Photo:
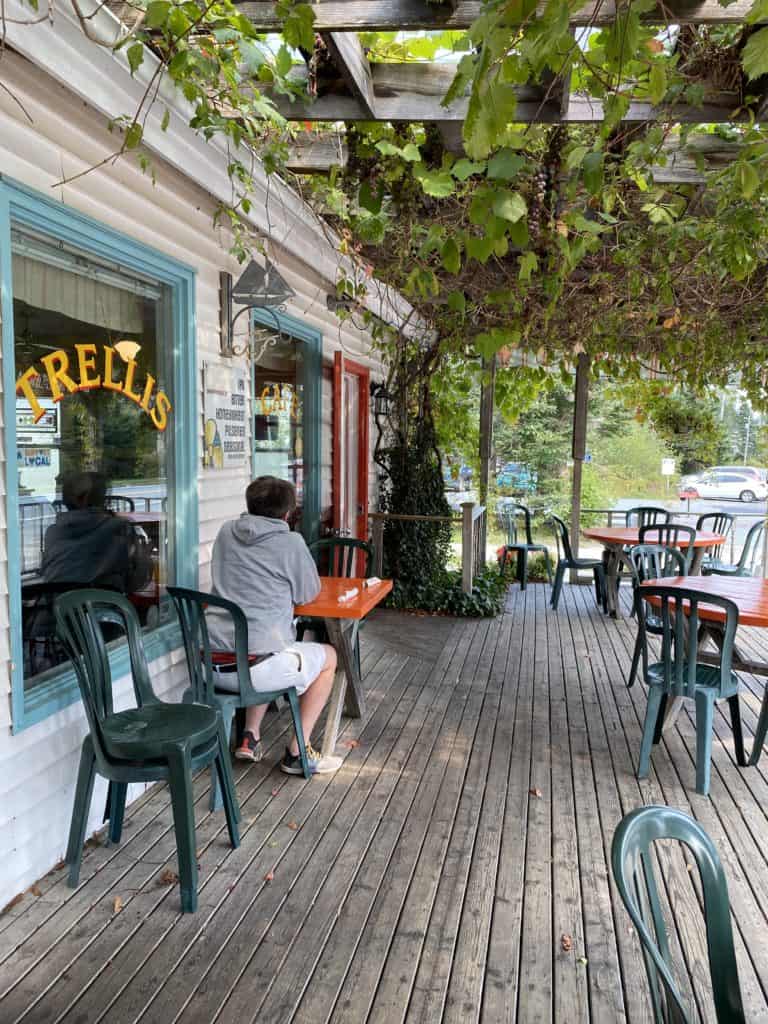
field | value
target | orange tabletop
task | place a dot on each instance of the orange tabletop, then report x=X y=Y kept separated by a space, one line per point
x=626 y=536
x=750 y=595
x=327 y=605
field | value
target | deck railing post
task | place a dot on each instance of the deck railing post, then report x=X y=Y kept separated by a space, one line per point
x=377 y=539
x=765 y=550
x=467 y=569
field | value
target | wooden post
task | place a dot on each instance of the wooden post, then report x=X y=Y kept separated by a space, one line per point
x=487 y=387
x=467 y=570
x=377 y=539
x=578 y=449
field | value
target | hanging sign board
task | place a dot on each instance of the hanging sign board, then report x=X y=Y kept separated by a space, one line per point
x=667 y=467
x=225 y=398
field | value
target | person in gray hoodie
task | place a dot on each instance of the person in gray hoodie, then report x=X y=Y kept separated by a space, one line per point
x=265 y=568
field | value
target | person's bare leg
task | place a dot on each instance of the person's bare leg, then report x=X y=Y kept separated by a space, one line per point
x=254 y=716
x=314 y=698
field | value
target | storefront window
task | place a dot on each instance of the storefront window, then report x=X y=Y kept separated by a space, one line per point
x=94 y=404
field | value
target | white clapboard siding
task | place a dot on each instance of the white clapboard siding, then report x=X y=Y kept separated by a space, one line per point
x=38 y=766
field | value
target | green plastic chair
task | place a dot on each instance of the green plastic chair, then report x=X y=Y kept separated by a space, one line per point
x=522 y=548
x=150 y=742
x=714 y=522
x=651 y=562
x=678 y=675
x=749 y=559
x=647 y=515
x=671 y=535
x=632 y=863
x=338 y=556
x=569 y=561
x=190 y=607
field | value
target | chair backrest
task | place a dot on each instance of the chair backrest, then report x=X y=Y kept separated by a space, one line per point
x=562 y=537
x=190 y=607
x=338 y=556
x=751 y=553
x=58 y=505
x=512 y=517
x=671 y=535
x=678 y=610
x=715 y=522
x=654 y=561
x=632 y=863
x=79 y=615
x=645 y=515
x=119 y=503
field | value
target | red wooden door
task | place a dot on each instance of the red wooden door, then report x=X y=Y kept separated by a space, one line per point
x=351 y=397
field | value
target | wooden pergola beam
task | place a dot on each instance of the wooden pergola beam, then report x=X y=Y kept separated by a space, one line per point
x=397 y=15
x=311 y=153
x=349 y=57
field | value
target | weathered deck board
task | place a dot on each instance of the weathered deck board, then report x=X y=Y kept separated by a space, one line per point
x=434 y=877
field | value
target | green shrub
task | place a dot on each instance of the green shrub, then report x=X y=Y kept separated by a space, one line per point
x=442 y=594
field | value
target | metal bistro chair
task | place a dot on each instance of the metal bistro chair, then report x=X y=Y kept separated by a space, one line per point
x=749 y=559
x=190 y=607
x=671 y=535
x=651 y=562
x=521 y=547
x=632 y=863
x=714 y=522
x=119 y=503
x=568 y=561
x=340 y=556
x=152 y=741
x=678 y=674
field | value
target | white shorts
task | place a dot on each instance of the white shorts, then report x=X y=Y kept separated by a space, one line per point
x=298 y=665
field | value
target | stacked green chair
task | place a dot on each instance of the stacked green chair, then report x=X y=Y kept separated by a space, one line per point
x=632 y=863
x=671 y=535
x=714 y=522
x=679 y=675
x=153 y=741
x=640 y=516
x=651 y=562
x=190 y=607
x=569 y=561
x=749 y=559
x=521 y=548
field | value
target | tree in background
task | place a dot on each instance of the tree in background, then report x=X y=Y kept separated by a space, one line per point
x=689 y=424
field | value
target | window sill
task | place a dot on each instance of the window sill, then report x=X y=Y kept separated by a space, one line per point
x=61 y=689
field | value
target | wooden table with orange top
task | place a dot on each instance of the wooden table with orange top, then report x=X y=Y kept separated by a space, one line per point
x=339 y=617
x=616 y=539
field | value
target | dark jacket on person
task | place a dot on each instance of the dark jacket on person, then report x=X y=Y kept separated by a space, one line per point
x=94 y=546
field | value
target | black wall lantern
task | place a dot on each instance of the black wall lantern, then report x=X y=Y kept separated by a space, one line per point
x=257 y=288
x=382 y=399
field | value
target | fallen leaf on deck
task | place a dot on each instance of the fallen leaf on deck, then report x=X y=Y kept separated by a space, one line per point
x=168 y=877
x=35 y=890
x=13 y=902
x=117 y=904
x=566 y=943
x=351 y=744
x=293 y=825
x=269 y=876
x=275 y=792
x=273 y=843
x=536 y=792
x=582 y=960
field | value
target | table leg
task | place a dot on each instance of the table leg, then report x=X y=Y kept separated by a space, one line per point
x=612 y=579
x=347 y=692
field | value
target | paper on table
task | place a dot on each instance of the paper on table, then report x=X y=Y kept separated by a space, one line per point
x=371 y=581
x=348 y=595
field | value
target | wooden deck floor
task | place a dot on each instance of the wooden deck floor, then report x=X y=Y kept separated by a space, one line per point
x=455 y=868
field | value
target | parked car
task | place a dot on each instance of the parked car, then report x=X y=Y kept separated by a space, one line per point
x=516 y=476
x=755 y=471
x=726 y=485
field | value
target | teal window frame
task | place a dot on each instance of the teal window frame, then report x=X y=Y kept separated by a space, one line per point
x=313 y=369
x=25 y=207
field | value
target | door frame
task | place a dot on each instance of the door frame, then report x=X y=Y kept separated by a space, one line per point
x=342 y=365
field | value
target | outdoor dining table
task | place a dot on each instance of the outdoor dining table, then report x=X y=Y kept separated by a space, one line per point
x=617 y=539
x=339 y=616
x=750 y=595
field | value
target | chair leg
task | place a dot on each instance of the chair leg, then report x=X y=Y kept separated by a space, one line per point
x=215 y=802
x=738 y=735
x=524 y=568
x=558 y=585
x=83 y=793
x=293 y=701
x=660 y=720
x=118 y=791
x=635 y=661
x=502 y=561
x=180 y=784
x=705 y=709
x=760 y=731
x=649 y=728
x=548 y=565
x=227 y=785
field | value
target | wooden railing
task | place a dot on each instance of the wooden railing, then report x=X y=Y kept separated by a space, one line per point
x=472 y=521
